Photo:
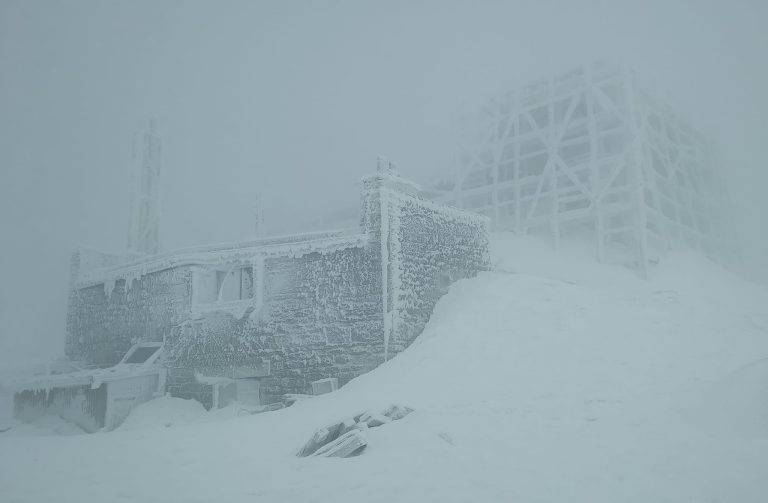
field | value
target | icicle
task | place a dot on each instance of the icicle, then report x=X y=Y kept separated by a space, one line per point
x=109 y=286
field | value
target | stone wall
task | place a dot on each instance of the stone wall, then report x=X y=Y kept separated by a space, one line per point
x=431 y=248
x=321 y=317
x=102 y=324
x=318 y=310
x=427 y=247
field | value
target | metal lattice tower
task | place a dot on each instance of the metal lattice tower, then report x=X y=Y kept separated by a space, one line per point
x=588 y=149
x=144 y=224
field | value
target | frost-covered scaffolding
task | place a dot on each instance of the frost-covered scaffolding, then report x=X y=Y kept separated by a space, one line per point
x=588 y=148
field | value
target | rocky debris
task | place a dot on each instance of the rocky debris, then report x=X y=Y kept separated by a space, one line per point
x=446 y=438
x=291 y=398
x=348 y=445
x=320 y=438
x=375 y=420
x=242 y=409
x=347 y=437
x=395 y=412
x=348 y=425
x=268 y=407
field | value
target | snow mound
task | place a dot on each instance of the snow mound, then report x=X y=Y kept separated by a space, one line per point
x=551 y=378
x=164 y=411
x=736 y=404
x=43 y=426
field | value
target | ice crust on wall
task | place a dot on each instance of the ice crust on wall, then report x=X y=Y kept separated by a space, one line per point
x=320 y=305
x=429 y=247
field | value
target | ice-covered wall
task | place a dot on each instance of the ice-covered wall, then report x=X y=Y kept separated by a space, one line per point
x=320 y=317
x=88 y=259
x=435 y=249
x=105 y=319
x=425 y=247
x=285 y=311
x=81 y=405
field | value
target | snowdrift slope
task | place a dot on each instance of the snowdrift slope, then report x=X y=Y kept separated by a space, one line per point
x=549 y=379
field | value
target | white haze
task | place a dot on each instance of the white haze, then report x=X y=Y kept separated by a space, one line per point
x=296 y=99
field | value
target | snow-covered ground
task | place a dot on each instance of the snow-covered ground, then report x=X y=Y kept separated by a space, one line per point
x=550 y=379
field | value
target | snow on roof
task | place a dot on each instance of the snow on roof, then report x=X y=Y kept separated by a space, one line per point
x=93 y=378
x=293 y=245
x=148 y=365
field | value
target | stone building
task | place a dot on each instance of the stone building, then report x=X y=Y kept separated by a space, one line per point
x=259 y=319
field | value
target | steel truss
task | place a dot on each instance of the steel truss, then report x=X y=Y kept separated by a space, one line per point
x=587 y=148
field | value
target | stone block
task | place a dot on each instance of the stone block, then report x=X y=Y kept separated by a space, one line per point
x=395 y=412
x=377 y=420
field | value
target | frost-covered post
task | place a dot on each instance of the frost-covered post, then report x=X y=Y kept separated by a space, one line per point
x=383 y=169
x=383 y=194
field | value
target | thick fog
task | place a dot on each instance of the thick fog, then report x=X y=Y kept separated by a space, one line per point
x=294 y=100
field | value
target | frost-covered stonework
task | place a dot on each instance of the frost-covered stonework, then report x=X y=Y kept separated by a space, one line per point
x=320 y=317
x=282 y=311
x=105 y=319
x=426 y=246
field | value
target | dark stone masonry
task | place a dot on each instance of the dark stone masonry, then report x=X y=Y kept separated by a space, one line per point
x=264 y=318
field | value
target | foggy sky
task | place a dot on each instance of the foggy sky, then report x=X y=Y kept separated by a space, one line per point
x=296 y=99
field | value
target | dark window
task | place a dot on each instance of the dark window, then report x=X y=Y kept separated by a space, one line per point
x=141 y=354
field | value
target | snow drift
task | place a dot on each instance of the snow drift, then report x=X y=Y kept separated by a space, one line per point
x=551 y=378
